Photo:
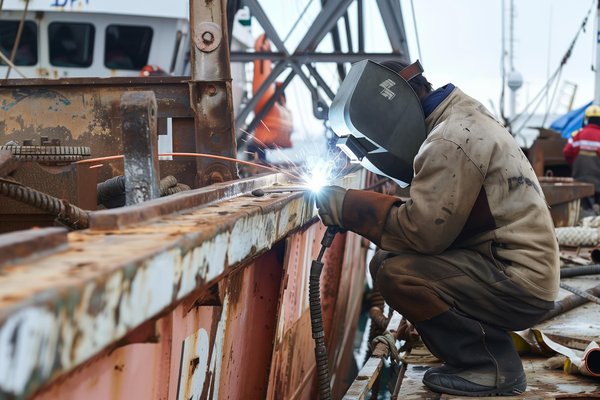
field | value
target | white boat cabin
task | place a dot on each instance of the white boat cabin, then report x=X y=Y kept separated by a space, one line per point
x=78 y=38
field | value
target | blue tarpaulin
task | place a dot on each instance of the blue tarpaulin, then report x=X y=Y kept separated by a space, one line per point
x=569 y=122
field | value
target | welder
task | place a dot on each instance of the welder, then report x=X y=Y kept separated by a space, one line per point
x=472 y=254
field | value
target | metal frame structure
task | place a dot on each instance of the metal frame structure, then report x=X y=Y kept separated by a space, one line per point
x=306 y=55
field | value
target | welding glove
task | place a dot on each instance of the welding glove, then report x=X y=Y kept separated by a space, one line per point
x=329 y=201
x=360 y=211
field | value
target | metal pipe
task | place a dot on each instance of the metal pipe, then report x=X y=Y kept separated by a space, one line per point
x=577 y=271
x=569 y=303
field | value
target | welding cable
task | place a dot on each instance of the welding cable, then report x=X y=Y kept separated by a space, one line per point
x=66 y=213
x=578 y=271
x=316 y=317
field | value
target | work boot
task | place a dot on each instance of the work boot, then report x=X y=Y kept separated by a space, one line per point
x=480 y=360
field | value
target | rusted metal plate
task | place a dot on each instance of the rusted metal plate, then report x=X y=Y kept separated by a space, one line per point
x=7 y=163
x=562 y=195
x=565 y=191
x=127 y=216
x=112 y=281
x=16 y=246
x=85 y=112
x=292 y=366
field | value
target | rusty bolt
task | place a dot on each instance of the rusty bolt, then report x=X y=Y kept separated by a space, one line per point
x=211 y=90
x=208 y=37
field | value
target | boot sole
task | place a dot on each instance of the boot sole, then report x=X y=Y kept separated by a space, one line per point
x=517 y=389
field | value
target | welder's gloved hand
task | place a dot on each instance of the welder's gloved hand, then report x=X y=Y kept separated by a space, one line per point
x=329 y=204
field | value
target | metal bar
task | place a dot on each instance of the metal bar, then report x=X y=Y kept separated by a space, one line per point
x=337 y=44
x=315 y=74
x=320 y=108
x=210 y=91
x=391 y=14
x=16 y=246
x=140 y=147
x=361 y=26
x=311 y=57
x=120 y=218
x=569 y=303
x=369 y=373
x=13 y=53
x=278 y=92
x=275 y=72
x=348 y=32
x=322 y=25
x=260 y=15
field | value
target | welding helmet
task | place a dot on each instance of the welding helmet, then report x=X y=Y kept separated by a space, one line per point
x=379 y=120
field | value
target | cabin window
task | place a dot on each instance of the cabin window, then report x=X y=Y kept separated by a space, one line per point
x=27 y=52
x=127 y=47
x=71 y=44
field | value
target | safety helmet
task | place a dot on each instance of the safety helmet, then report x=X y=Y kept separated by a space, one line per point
x=592 y=111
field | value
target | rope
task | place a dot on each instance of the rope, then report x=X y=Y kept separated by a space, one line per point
x=390 y=341
x=577 y=236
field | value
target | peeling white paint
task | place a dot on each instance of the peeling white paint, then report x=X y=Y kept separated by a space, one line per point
x=151 y=290
x=256 y=231
x=28 y=341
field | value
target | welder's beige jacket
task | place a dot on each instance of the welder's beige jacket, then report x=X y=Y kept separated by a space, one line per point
x=474 y=188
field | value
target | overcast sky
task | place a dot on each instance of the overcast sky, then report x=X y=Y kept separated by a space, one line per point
x=461 y=42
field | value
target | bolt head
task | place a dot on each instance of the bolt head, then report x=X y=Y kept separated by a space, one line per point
x=208 y=37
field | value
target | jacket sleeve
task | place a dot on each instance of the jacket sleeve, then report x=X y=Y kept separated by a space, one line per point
x=570 y=151
x=443 y=192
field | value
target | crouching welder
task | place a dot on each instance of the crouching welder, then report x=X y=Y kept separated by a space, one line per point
x=473 y=253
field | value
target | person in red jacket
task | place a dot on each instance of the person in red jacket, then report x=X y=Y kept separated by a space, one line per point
x=582 y=153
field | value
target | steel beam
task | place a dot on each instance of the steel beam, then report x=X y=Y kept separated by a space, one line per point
x=243 y=114
x=391 y=14
x=309 y=58
x=322 y=25
x=210 y=91
x=140 y=147
x=257 y=12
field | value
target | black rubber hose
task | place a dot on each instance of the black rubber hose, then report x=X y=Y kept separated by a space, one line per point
x=316 y=317
x=577 y=271
x=318 y=334
x=66 y=213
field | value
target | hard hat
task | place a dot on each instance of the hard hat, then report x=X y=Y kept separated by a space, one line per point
x=379 y=120
x=592 y=111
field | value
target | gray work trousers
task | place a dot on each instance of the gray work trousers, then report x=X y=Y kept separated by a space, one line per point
x=421 y=286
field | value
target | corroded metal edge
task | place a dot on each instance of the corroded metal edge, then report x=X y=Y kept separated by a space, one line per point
x=157 y=266
x=142 y=213
x=21 y=244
